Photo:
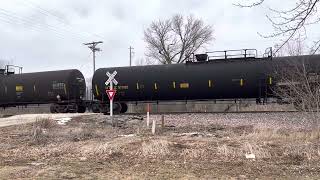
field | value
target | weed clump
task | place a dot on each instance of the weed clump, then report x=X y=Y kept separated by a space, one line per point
x=83 y=133
x=40 y=130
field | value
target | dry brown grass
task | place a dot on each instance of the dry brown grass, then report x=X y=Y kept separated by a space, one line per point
x=155 y=148
x=195 y=153
x=284 y=135
x=82 y=134
x=264 y=143
x=274 y=143
x=40 y=130
x=45 y=123
x=100 y=149
x=82 y=146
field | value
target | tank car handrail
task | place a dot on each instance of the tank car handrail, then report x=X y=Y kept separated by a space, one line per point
x=233 y=55
x=231 y=50
x=242 y=53
x=8 y=72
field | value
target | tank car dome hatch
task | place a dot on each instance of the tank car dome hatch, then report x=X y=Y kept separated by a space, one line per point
x=201 y=57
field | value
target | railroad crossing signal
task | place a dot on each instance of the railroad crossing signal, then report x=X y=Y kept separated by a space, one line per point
x=111 y=94
x=111 y=78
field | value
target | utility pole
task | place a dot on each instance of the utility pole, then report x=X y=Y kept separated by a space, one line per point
x=130 y=54
x=93 y=48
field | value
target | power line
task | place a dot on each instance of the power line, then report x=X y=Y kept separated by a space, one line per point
x=61 y=20
x=31 y=22
x=10 y=19
x=46 y=12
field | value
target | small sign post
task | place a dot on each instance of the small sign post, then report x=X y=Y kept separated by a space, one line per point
x=111 y=92
x=148 y=114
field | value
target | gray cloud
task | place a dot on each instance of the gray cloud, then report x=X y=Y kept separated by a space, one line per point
x=49 y=41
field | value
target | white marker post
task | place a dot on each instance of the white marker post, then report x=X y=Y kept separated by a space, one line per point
x=111 y=92
x=154 y=125
x=148 y=114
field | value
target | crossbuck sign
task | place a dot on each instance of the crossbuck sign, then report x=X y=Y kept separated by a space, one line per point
x=111 y=79
x=111 y=92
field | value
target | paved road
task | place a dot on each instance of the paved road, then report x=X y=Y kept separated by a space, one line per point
x=29 y=118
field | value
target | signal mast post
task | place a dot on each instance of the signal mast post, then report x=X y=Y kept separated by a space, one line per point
x=111 y=100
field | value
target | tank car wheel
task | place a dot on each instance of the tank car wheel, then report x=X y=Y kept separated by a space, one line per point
x=95 y=108
x=73 y=108
x=81 y=109
x=61 y=109
x=117 y=108
x=124 y=108
x=104 y=108
x=53 y=109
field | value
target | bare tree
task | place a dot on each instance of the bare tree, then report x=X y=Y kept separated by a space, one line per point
x=174 y=40
x=299 y=83
x=144 y=61
x=290 y=22
x=2 y=64
x=298 y=80
x=294 y=47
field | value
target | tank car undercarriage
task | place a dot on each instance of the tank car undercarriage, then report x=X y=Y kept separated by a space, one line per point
x=102 y=107
x=67 y=108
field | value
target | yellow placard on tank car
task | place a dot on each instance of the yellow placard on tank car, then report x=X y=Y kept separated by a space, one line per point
x=19 y=88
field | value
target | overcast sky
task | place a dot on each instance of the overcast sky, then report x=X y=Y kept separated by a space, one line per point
x=45 y=35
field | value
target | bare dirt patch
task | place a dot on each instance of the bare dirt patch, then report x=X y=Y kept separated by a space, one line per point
x=188 y=147
x=9 y=120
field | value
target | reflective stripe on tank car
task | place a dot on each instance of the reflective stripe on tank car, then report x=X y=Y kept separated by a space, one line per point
x=19 y=88
x=65 y=88
x=184 y=85
x=97 y=92
x=270 y=80
x=241 y=82
x=210 y=83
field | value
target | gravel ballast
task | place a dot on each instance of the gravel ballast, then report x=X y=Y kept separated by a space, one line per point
x=286 y=120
